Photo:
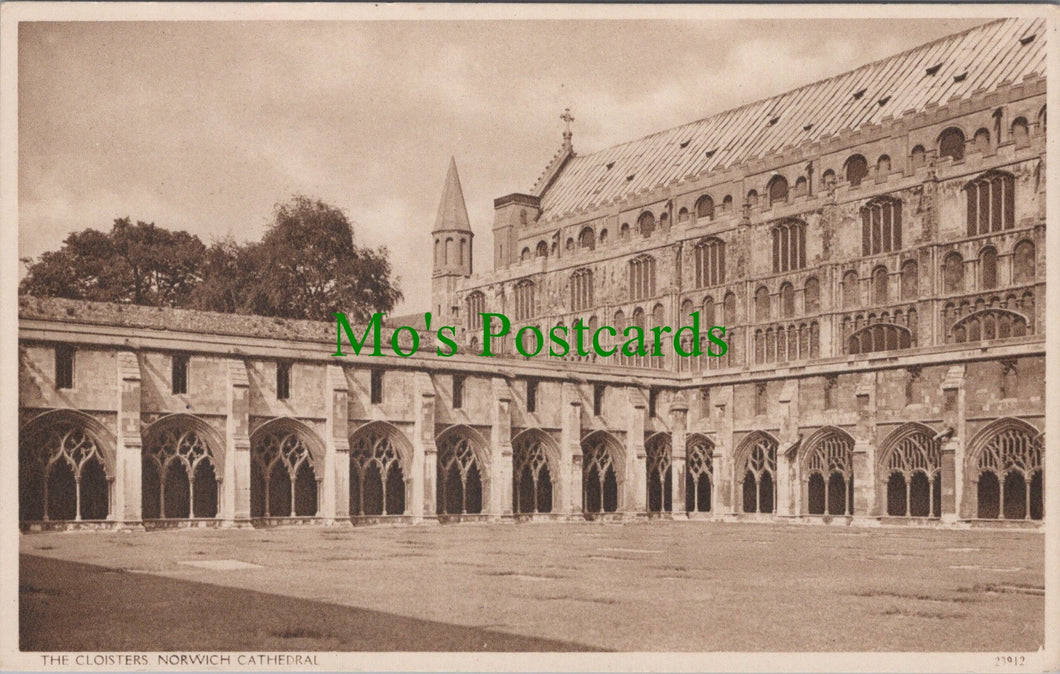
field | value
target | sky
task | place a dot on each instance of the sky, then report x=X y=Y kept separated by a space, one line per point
x=206 y=126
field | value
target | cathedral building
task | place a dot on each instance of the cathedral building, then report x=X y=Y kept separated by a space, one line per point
x=873 y=245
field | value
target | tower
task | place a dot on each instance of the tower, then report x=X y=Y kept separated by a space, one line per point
x=452 y=248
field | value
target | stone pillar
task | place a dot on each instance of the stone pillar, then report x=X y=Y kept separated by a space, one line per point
x=787 y=487
x=424 y=451
x=678 y=436
x=954 y=445
x=866 y=489
x=721 y=459
x=336 y=500
x=235 y=506
x=127 y=481
x=570 y=450
x=500 y=451
x=635 y=494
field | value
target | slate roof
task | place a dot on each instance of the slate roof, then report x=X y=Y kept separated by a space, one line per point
x=952 y=67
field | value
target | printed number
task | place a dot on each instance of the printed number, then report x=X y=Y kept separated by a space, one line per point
x=1011 y=660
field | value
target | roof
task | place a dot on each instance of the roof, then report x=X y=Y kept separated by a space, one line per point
x=452 y=213
x=935 y=73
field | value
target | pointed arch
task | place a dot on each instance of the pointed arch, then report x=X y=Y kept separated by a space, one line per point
x=183 y=466
x=603 y=474
x=827 y=466
x=699 y=473
x=658 y=449
x=535 y=472
x=380 y=470
x=755 y=465
x=1004 y=471
x=909 y=472
x=287 y=466
x=463 y=473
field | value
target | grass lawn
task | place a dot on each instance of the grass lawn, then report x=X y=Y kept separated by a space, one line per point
x=682 y=586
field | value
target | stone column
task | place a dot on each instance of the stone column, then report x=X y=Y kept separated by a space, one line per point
x=127 y=482
x=678 y=436
x=721 y=459
x=500 y=451
x=635 y=494
x=787 y=487
x=235 y=507
x=570 y=450
x=336 y=501
x=424 y=451
x=866 y=489
x=954 y=445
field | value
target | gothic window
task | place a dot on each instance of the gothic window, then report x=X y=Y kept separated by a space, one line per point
x=642 y=277
x=989 y=324
x=476 y=304
x=646 y=223
x=729 y=309
x=787 y=300
x=1023 y=263
x=64 y=366
x=699 y=474
x=991 y=203
x=759 y=476
x=883 y=165
x=531 y=478
x=762 y=312
x=789 y=245
x=179 y=371
x=951 y=144
x=599 y=478
x=581 y=289
x=1020 y=134
x=658 y=315
x=811 y=296
x=705 y=208
x=988 y=268
x=830 y=476
x=953 y=273
x=1010 y=475
x=525 y=255
x=587 y=239
x=707 y=317
x=659 y=474
x=179 y=477
x=778 y=190
x=912 y=466
x=62 y=474
x=459 y=476
x=879 y=285
x=525 y=307
x=283 y=480
x=910 y=282
x=982 y=140
x=856 y=168
x=881 y=226
x=918 y=156
x=879 y=337
x=377 y=480
x=710 y=262
x=850 y=290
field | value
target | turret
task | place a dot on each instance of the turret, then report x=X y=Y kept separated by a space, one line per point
x=452 y=248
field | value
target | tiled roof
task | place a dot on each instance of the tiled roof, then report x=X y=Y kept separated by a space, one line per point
x=935 y=73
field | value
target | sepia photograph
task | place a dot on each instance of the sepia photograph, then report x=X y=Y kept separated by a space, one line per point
x=526 y=337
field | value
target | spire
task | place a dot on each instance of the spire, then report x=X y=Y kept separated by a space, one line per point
x=452 y=213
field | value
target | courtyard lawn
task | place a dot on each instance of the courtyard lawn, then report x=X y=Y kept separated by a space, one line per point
x=685 y=586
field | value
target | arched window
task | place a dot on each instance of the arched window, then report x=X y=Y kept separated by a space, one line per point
x=531 y=478
x=642 y=277
x=1010 y=472
x=828 y=179
x=1020 y=132
x=812 y=296
x=699 y=474
x=951 y=144
x=762 y=312
x=883 y=165
x=683 y=215
x=856 y=168
x=646 y=223
x=918 y=156
x=988 y=324
x=705 y=208
x=450 y=252
x=758 y=475
x=707 y=317
x=570 y=243
x=581 y=289
x=879 y=337
x=1041 y=119
x=179 y=474
x=982 y=140
x=787 y=300
x=910 y=281
x=726 y=203
x=829 y=468
x=623 y=232
x=659 y=475
x=800 y=186
x=988 y=268
x=542 y=249
x=850 y=290
x=377 y=479
x=729 y=308
x=1023 y=263
x=879 y=285
x=476 y=304
x=710 y=262
x=525 y=255
x=911 y=469
x=599 y=475
x=525 y=306
x=752 y=198
x=991 y=203
x=603 y=236
x=62 y=472
x=953 y=273
x=459 y=478
x=778 y=190
x=789 y=245
x=881 y=226
x=587 y=238
x=283 y=477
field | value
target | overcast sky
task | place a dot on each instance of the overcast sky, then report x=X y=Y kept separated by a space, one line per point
x=206 y=126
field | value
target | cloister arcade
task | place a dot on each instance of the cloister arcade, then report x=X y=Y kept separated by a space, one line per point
x=67 y=461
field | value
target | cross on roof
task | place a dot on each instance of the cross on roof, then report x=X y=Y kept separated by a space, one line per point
x=566 y=117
